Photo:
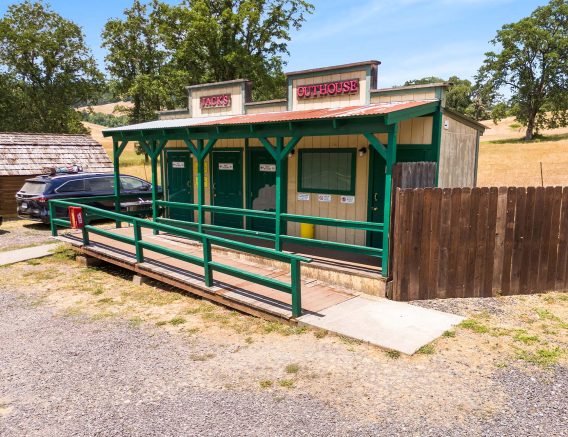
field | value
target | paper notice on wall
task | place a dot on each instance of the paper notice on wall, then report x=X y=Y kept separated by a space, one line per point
x=268 y=168
x=178 y=164
x=303 y=196
x=225 y=166
x=348 y=199
x=324 y=197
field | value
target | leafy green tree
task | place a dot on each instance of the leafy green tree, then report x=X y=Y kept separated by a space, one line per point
x=136 y=60
x=218 y=40
x=533 y=64
x=459 y=95
x=47 y=70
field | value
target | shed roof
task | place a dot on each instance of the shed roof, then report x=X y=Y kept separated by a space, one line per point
x=29 y=153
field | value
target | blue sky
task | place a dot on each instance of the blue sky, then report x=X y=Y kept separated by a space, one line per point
x=412 y=38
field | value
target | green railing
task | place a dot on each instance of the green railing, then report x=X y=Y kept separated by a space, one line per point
x=209 y=266
x=347 y=224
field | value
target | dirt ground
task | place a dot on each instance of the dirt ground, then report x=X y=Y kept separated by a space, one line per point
x=16 y=234
x=473 y=380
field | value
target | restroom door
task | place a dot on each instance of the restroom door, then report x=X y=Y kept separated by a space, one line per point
x=376 y=196
x=180 y=183
x=262 y=188
x=227 y=186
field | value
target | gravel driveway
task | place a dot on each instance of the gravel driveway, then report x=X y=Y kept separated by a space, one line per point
x=15 y=234
x=65 y=374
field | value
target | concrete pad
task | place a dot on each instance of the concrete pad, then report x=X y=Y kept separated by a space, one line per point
x=385 y=323
x=19 y=255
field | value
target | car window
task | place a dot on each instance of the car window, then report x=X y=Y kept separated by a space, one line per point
x=103 y=184
x=129 y=183
x=33 y=187
x=72 y=186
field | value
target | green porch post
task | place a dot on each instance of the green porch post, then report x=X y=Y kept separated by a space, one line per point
x=278 y=224
x=201 y=151
x=437 y=139
x=390 y=161
x=116 y=152
x=280 y=154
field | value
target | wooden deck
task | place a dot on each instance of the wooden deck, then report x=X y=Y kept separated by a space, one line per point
x=228 y=290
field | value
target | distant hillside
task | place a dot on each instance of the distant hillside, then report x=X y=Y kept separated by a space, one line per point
x=107 y=108
x=509 y=129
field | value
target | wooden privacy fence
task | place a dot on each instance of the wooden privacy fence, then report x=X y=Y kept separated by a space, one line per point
x=479 y=242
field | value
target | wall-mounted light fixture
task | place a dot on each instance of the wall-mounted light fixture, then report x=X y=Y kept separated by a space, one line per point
x=362 y=151
x=291 y=154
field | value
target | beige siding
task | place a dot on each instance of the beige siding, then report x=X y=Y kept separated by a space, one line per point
x=403 y=96
x=236 y=107
x=457 y=154
x=262 y=109
x=333 y=101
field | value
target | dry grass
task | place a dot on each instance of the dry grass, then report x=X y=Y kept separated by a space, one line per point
x=504 y=160
x=130 y=162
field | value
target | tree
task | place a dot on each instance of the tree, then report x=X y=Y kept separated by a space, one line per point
x=47 y=70
x=533 y=64
x=136 y=61
x=218 y=40
x=459 y=95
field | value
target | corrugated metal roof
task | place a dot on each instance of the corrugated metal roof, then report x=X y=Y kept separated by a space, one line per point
x=274 y=117
x=316 y=114
x=27 y=154
x=164 y=124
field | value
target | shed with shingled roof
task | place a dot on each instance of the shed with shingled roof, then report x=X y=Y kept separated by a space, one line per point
x=24 y=155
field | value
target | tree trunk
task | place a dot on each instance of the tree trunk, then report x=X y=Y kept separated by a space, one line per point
x=530 y=128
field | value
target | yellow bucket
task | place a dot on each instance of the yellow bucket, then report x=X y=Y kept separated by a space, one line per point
x=307 y=230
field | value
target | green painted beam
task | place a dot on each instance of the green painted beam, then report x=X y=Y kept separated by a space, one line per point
x=437 y=139
x=376 y=144
x=416 y=111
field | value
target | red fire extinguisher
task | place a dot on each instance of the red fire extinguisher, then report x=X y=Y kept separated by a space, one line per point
x=76 y=217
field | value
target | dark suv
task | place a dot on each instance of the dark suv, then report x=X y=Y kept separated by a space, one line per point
x=33 y=197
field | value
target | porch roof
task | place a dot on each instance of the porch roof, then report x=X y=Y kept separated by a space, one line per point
x=400 y=110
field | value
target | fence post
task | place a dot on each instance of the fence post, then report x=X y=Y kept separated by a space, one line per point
x=84 y=229
x=137 y=239
x=52 y=219
x=208 y=274
x=296 y=285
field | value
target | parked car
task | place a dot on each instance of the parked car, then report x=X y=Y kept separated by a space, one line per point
x=32 y=199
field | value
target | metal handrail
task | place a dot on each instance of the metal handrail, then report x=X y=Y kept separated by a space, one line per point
x=209 y=266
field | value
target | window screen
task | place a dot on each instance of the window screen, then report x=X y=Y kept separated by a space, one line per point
x=328 y=171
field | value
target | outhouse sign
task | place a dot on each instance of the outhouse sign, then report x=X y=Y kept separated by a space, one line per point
x=337 y=88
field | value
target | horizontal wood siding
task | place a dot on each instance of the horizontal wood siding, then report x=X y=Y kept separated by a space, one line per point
x=458 y=152
x=9 y=186
x=479 y=242
x=331 y=101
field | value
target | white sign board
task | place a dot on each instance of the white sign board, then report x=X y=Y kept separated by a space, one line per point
x=225 y=166
x=303 y=196
x=324 y=197
x=178 y=164
x=348 y=199
x=268 y=168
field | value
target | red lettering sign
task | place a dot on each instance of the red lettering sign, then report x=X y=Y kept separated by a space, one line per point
x=337 y=88
x=220 y=101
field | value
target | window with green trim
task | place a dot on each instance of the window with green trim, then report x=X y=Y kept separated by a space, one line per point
x=327 y=171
